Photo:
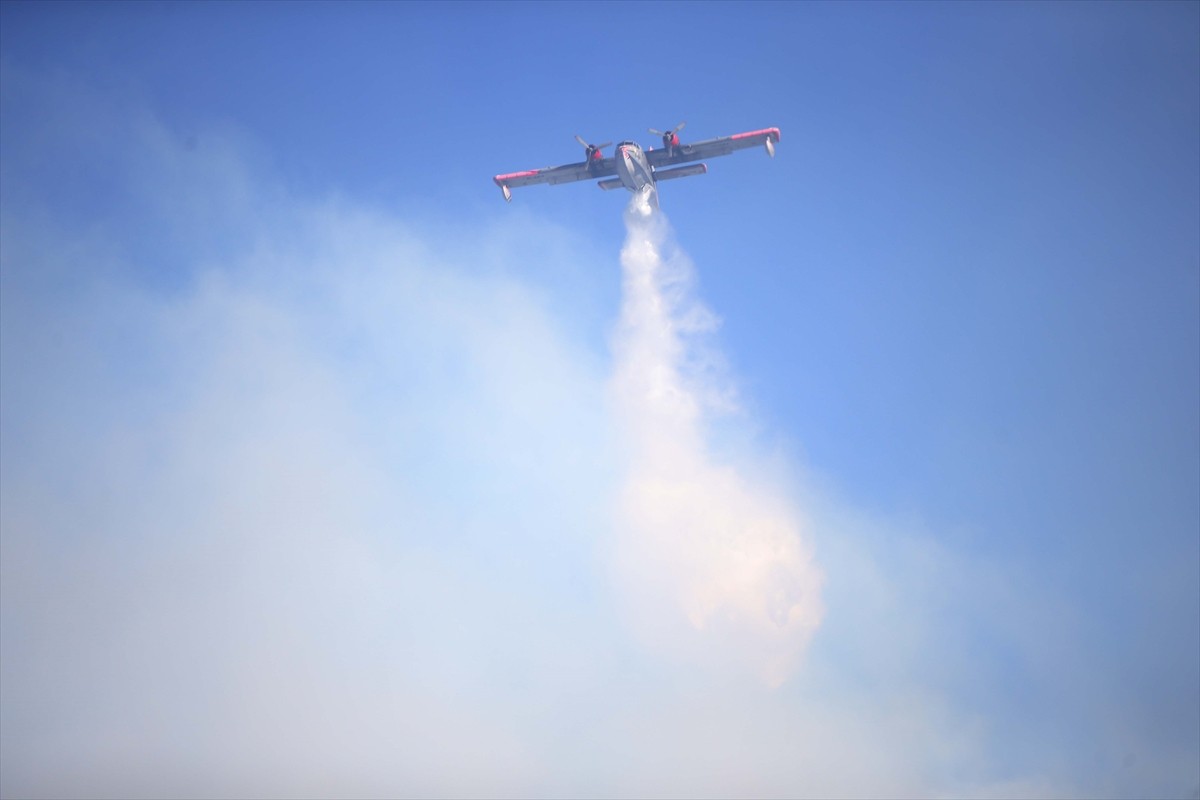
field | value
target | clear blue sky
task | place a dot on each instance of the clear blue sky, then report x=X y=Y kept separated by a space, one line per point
x=961 y=305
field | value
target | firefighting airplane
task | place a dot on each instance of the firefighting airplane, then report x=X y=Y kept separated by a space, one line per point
x=639 y=170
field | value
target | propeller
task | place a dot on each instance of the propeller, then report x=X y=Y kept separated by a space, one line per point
x=592 y=150
x=671 y=132
x=670 y=138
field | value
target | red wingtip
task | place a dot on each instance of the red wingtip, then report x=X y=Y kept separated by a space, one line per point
x=500 y=179
x=773 y=133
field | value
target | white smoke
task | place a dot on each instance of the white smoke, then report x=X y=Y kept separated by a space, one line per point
x=319 y=516
x=712 y=559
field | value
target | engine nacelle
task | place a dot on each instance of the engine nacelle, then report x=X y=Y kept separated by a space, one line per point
x=770 y=145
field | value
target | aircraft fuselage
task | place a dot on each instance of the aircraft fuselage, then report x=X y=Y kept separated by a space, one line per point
x=633 y=169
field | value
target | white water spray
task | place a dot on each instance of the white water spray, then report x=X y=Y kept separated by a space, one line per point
x=713 y=561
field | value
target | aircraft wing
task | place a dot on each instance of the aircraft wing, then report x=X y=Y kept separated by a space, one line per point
x=710 y=148
x=602 y=168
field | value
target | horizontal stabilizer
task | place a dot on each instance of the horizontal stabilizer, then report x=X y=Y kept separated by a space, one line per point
x=611 y=183
x=680 y=172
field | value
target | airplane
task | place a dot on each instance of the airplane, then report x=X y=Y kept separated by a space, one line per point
x=640 y=170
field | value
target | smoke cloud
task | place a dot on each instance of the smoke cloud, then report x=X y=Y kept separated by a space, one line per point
x=303 y=498
x=714 y=562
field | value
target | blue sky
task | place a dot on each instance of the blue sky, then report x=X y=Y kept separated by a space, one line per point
x=252 y=253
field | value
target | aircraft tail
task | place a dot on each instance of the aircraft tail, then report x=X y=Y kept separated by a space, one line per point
x=644 y=201
x=680 y=172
